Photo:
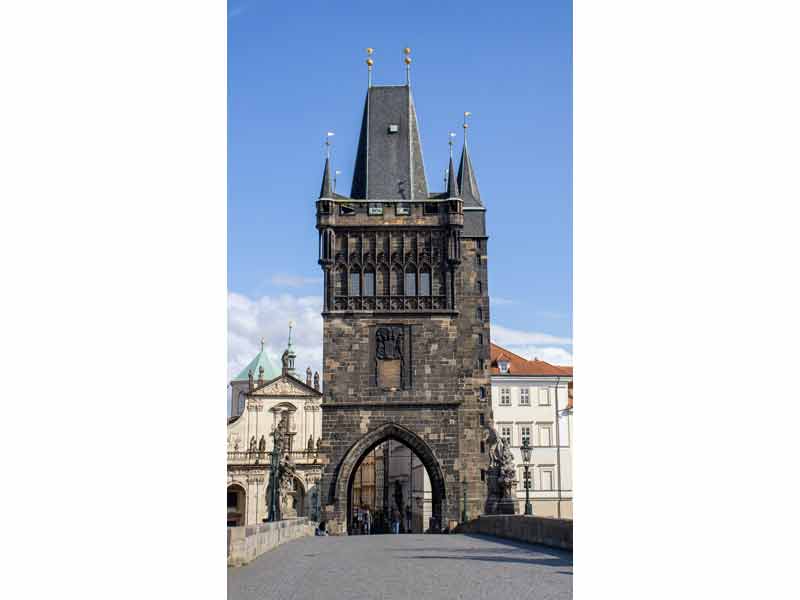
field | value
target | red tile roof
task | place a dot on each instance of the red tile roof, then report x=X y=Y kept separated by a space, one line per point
x=522 y=366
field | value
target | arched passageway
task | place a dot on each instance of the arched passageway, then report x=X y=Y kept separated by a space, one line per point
x=388 y=496
x=237 y=505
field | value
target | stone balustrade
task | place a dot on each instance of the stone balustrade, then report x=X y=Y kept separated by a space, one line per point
x=251 y=541
x=556 y=533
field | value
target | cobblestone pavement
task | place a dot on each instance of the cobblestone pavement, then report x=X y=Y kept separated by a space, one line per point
x=407 y=567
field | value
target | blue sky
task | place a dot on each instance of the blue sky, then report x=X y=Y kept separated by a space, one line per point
x=296 y=70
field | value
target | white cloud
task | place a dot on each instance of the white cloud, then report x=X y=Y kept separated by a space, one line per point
x=282 y=279
x=498 y=301
x=533 y=344
x=552 y=354
x=505 y=336
x=268 y=316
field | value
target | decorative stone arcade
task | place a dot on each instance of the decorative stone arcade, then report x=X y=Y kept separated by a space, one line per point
x=405 y=315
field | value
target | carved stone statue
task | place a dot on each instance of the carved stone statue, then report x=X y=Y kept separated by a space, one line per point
x=319 y=444
x=310 y=447
x=262 y=444
x=252 y=444
x=389 y=343
x=308 y=376
x=316 y=380
x=501 y=477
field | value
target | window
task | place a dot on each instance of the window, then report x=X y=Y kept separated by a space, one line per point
x=481 y=418
x=503 y=366
x=483 y=473
x=479 y=314
x=544 y=397
x=411 y=283
x=505 y=434
x=402 y=208
x=478 y=260
x=482 y=393
x=525 y=434
x=483 y=447
x=479 y=287
x=545 y=434
x=369 y=283
x=524 y=397
x=546 y=477
x=355 y=284
x=375 y=208
x=346 y=209
x=505 y=396
x=431 y=208
x=232 y=499
x=425 y=283
x=480 y=339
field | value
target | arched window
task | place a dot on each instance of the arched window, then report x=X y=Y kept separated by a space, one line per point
x=355 y=282
x=479 y=314
x=479 y=287
x=411 y=281
x=425 y=281
x=369 y=281
x=482 y=393
x=340 y=282
x=397 y=281
x=382 y=281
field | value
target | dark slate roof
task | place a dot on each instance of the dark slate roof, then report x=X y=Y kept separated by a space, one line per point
x=326 y=191
x=389 y=164
x=474 y=223
x=452 y=185
x=466 y=181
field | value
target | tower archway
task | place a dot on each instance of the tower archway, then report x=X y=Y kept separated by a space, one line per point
x=340 y=491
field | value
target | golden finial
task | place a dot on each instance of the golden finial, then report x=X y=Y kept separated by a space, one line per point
x=369 y=62
x=407 y=60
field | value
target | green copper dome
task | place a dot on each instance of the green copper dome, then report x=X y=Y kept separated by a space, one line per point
x=261 y=360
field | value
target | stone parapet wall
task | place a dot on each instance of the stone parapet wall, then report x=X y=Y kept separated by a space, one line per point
x=251 y=541
x=556 y=533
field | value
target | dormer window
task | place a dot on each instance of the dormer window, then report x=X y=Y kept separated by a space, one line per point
x=394 y=128
x=503 y=366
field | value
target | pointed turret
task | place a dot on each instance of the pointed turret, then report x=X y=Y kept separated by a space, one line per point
x=389 y=158
x=326 y=191
x=452 y=184
x=467 y=183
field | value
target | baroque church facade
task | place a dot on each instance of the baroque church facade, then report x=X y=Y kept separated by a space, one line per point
x=265 y=398
x=405 y=318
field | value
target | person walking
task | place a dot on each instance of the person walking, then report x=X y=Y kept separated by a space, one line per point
x=367 y=521
x=395 y=520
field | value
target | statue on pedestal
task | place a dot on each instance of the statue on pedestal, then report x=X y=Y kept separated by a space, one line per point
x=502 y=476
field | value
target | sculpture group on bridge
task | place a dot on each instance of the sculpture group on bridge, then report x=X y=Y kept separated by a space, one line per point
x=501 y=477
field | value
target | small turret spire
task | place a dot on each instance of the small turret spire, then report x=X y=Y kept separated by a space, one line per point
x=467 y=183
x=326 y=191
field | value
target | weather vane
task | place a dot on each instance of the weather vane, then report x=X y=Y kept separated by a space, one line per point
x=370 y=62
x=407 y=60
x=451 y=135
x=328 y=137
x=467 y=115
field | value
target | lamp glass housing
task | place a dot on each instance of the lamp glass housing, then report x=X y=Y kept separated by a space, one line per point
x=526 y=452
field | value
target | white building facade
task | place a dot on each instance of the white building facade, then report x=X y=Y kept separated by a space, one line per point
x=263 y=398
x=532 y=400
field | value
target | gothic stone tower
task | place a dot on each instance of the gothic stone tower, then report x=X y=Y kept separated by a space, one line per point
x=406 y=315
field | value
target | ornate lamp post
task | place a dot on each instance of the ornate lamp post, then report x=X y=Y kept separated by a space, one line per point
x=464 y=496
x=526 y=459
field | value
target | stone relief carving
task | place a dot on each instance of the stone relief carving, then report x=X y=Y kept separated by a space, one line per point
x=389 y=343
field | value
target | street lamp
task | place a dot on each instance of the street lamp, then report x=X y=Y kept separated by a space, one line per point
x=526 y=459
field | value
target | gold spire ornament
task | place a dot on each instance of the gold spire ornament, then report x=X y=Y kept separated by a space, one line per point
x=407 y=60
x=467 y=115
x=369 y=62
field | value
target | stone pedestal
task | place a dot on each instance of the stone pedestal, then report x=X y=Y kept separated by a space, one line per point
x=498 y=502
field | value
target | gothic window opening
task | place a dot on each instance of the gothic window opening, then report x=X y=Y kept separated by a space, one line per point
x=479 y=314
x=382 y=280
x=340 y=282
x=369 y=282
x=411 y=282
x=397 y=281
x=425 y=282
x=479 y=287
x=355 y=283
